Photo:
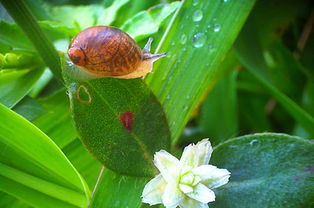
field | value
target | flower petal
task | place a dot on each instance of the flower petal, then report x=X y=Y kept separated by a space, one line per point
x=167 y=165
x=191 y=203
x=205 y=151
x=202 y=194
x=196 y=155
x=189 y=157
x=153 y=190
x=211 y=176
x=185 y=188
x=172 y=196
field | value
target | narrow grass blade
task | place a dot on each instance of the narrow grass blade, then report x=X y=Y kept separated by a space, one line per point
x=196 y=41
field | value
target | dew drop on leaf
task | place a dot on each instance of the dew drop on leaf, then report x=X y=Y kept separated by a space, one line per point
x=199 y=40
x=197 y=15
x=217 y=27
x=195 y=2
x=183 y=39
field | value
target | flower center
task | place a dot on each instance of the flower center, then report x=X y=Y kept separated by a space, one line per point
x=187 y=182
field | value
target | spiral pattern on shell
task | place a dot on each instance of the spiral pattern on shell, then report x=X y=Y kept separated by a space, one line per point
x=106 y=51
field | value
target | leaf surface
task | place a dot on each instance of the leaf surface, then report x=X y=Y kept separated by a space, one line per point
x=267 y=170
x=196 y=41
x=32 y=164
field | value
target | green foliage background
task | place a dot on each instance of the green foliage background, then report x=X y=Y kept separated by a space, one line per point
x=232 y=68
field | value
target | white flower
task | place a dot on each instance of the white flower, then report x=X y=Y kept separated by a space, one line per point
x=186 y=183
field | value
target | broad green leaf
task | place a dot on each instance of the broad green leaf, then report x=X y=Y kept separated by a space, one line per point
x=114 y=190
x=146 y=23
x=12 y=35
x=250 y=53
x=196 y=41
x=78 y=17
x=32 y=166
x=109 y=14
x=218 y=118
x=56 y=30
x=120 y=121
x=267 y=170
x=14 y=85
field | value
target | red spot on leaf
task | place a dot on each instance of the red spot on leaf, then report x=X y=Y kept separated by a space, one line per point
x=126 y=119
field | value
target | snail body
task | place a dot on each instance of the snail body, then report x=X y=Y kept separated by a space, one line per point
x=108 y=51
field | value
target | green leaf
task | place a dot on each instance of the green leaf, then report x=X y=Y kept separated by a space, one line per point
x=34 y=169
x=109 y=14
x=250 y=54
x=7 y=201
x=114 y=190
x=57 y=122
x=78 y=17
x=218 y=118
x=146 y=23
x=14 y=85
x=267 y=170
x=120 y=121
x=25 y=19
x=12 y=35
x=196 y=41
x=83 y=161
x=29 y=108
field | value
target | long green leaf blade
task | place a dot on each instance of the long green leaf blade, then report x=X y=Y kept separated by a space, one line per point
x=116 y=190
x=249 y=52
x=37 y=158
x=197 y=40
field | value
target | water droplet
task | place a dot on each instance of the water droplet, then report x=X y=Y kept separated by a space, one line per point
x=173 y=123
x=185 y=108
x=216 y=27
x=195 y=2
x=197 y=15
x=199 y=40
x=215 y=19
x=209 y=26
x=183 y=39
x=225 y=0
x=188 y=97
x=168 y=97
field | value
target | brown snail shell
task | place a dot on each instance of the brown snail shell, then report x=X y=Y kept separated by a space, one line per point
x=108 y=51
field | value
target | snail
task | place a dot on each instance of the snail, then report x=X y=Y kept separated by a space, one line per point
x=104 y=51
